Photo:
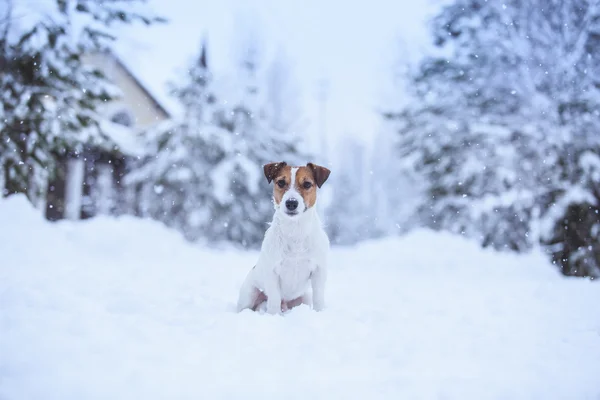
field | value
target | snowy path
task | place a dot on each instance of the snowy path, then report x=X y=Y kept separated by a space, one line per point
x=126 y=310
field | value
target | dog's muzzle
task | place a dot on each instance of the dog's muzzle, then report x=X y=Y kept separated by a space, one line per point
x=292 y=205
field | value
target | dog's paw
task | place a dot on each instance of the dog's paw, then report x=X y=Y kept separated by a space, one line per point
x=274 y=310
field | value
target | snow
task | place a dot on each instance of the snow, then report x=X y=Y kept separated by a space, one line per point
x=590 y=162
x=575 y=194
x=125 y=139
x=226 y=169
x=224 y=24
x=124 y=308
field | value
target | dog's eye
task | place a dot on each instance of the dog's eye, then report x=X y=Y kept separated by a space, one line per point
x=281 y=183
x=307 y=185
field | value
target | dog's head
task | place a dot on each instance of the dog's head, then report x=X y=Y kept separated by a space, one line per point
x=295 y=188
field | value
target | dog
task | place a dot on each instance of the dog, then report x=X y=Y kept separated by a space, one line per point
x=292 y=265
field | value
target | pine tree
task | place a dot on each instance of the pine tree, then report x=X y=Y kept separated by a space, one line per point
x=283 y=97
x=255 y=140
x=49 y=95
x=503 y=126
x=203 y=171
x=395 y=188
x=349 y=217
x=396 y=191
x=173 y=179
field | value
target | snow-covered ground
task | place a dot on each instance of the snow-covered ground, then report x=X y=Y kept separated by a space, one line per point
x=126 y=309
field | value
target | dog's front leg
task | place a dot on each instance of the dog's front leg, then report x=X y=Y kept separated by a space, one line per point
x=317 y=280
x=273 y=292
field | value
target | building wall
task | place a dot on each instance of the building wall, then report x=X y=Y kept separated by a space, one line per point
x=83 y=186
x=135 y=99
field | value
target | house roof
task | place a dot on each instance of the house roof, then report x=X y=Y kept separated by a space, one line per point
x=153 y=98
x=160 y=56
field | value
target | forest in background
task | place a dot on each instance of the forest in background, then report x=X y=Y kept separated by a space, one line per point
x=496 y=137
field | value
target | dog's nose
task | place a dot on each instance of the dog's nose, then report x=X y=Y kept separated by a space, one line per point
x=291 y=204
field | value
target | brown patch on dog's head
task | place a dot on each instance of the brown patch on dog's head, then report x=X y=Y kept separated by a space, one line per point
x=306 y=185
x=281 y=174
x=306 y=179
x=320 y=173
x=272 y=169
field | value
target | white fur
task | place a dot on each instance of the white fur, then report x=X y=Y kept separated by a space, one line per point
x=292 y=193
x=293 y=259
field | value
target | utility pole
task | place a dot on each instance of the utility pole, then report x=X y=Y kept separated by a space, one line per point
x=322 y=97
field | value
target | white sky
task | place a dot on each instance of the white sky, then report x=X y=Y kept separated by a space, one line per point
x=352 y=44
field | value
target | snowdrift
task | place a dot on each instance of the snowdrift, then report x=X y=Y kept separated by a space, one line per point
x=122 y=308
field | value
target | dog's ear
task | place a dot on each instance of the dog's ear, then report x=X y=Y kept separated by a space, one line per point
x=320 y=173
x=272 y=169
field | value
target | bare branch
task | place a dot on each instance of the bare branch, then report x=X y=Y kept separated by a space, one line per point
x=6 y=21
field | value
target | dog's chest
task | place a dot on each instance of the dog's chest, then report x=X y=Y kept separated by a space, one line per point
x=297 y=264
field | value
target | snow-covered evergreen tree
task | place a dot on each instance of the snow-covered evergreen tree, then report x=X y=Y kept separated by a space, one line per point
x=350 y=218
x=503 y=126
x=203 y=173
x=395 y=189
x=173 y=180
x=283 y=97
x=244 y=194
x=49 y=95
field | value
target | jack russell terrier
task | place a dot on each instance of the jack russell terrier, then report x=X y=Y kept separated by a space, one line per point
x=295 y=248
